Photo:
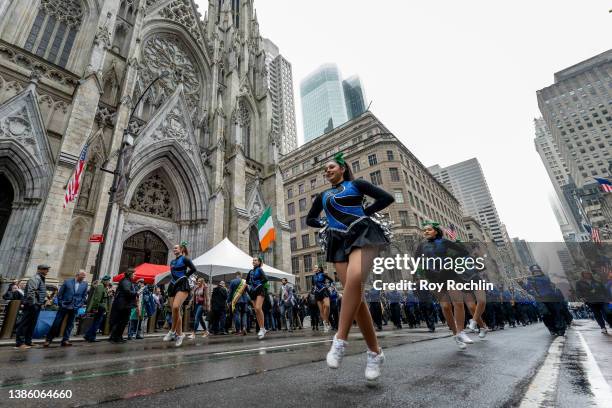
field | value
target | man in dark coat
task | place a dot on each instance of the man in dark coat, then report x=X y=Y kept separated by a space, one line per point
x=217 y=308
x=125 y=299
x=33 y=301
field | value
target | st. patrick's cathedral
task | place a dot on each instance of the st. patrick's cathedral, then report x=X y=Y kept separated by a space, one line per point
x=203 y=164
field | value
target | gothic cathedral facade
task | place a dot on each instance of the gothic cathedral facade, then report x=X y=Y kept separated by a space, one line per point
x=204 y=161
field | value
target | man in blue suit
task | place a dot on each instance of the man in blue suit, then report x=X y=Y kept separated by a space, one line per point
x=70 y=298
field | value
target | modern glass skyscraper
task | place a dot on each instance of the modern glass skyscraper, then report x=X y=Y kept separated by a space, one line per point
x=354 y=96
x=323 y=106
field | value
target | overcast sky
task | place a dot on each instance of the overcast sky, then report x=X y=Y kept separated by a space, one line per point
x=451 y=79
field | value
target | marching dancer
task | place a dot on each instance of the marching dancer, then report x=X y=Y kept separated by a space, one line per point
x=353 y=241
x=320 y=290
x=437 y=247
x=180 y=269
x=257 y=281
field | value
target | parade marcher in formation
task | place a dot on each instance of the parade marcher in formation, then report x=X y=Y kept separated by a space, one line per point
x=70 y=298
x=257 y=281
x=238 y=299
x=178 y=291
x=436 y=247
x=201 y=308
x=548 y=302
x=333 y=306
x=97 y=305
x=593 y=294
x=395 y=299
x=353 y=241
x=124 y=300
x=320 y=289
x=373 y=297
x=287 y=302
x=34 y=298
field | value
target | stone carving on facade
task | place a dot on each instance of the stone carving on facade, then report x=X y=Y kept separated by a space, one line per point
x=67 y=11
x=138 y=222
x=166 y=53
x=152 y=197
x=44 y=69
x=17 y=127
x=106 y=116
x=180 y=12
x=173 y=127
x=103 y=35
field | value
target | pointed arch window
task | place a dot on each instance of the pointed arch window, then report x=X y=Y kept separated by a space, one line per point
x=54 y=30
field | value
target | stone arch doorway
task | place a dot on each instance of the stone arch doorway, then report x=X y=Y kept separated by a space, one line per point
x=7 y=196
x=143 y=247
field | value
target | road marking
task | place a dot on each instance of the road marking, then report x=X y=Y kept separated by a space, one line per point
x=598 y=384
x=219 y=353
x=542 y=388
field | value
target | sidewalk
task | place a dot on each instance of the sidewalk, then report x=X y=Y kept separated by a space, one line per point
x=73 y=339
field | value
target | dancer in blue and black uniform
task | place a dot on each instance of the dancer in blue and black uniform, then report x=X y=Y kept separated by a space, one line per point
x=320 y=289
x=180 y=269
x=439 y=248
x=354 y=240
x=257 y=281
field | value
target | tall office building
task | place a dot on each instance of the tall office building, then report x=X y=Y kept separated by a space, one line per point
x=560 y=178
x=280 y=84
x=577 y=109
x=523 y=251
x=323 y=105
x=354 y=96
x=467 y=182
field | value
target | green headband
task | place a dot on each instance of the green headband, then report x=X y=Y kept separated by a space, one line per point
x=338 y=158
x=184 y=244
x=429 y=222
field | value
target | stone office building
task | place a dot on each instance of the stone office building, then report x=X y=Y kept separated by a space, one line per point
x=375 y=155
x=204 y=162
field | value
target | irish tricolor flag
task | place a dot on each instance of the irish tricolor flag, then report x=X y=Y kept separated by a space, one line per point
x=266 y=229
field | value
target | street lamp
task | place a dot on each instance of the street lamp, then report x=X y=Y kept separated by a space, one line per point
x=128 y=140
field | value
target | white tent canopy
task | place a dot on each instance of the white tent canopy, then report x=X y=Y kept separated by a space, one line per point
x=225 y=258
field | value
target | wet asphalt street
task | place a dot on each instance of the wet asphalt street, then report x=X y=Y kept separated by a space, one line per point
x=289 y=370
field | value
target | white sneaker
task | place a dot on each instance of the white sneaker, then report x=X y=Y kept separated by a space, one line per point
x=179 y=340
x=326 y=327
x=336 y=352
x=460 y=344
x=191 y=336
x=604 y=331
x=170 y=336
x=472 y=326
x=375 y=362
x=465 y=338
x=483 y=333
x=261 y=334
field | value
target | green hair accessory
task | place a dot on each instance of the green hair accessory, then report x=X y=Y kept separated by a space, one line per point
x=184 y=244
x=339 y=158
x=429 y=222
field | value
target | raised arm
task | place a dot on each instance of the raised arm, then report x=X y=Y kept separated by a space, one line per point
x=382 y=199
x=312 y=219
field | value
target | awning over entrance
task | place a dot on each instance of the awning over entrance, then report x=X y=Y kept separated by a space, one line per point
x=225 y=259
x=146 y=271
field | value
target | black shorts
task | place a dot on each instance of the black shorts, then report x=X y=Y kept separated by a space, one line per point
x=181 y=285
x=321 y=294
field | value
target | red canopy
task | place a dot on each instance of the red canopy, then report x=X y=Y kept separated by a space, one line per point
x=146 y=271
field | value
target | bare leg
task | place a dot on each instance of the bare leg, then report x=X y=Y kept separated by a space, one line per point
x=481 y=303
x=324 y=309
x=447 y=311
x=353 y=307
x=458 y=309
x=177 y=320
x=259 y=314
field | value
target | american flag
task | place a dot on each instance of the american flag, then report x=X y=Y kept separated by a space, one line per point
x=605 y=184
x=595 y=234
x=451 y=232
x=72 y=189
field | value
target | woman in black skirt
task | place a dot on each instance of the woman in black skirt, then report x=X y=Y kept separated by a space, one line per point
x=353 y=241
